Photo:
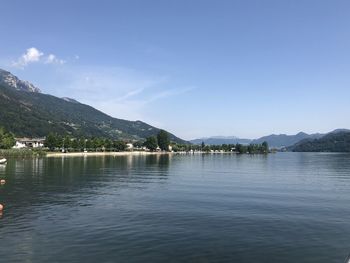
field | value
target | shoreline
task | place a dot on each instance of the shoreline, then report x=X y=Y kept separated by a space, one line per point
x=82 y=154
x=125 y=153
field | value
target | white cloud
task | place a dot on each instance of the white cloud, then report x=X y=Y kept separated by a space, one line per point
x=32 y=55
x=52 y=59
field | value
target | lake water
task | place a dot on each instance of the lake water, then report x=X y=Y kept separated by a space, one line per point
x=284 y=207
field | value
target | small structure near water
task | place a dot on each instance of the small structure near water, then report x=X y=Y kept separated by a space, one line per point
x=29 y=143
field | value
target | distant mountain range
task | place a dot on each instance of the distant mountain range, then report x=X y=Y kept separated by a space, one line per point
x=276 y=141
x=335 y=140
x=26 y=111
x=283 y=140
x=218 y=140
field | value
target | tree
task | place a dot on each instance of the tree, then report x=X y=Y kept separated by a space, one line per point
x=163 y=140
x=7 y=140
x=206 y=149
x=119 y=146
x=50 y=141
x=265 y=147
x=75 y=144
x=241 y=148
x=202 y=146
x=151 y=143
x=108 y=144
x=88 y=144
x=138 y=144
x=67 y=142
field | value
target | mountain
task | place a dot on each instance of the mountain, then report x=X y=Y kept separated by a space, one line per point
x=284 y=140
x=9 y=80
x=26 y=111
x=274 y=140
x=340 y=130
x=336 y=141
x=218 y=140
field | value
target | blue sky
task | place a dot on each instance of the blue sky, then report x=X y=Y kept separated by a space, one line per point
x=196 y=68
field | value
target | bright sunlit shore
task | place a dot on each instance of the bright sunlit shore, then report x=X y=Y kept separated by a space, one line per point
x=76 y=154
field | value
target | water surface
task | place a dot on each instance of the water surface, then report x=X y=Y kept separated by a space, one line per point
x=285 y=207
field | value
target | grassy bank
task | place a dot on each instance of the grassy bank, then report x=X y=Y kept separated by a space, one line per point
x=22 y=153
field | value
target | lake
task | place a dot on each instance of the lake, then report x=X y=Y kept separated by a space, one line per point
x=283 y=207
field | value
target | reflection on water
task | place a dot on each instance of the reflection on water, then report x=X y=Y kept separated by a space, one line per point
x=48 y=180
x=285 y=207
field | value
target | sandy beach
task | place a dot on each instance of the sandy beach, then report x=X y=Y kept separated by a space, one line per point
x=78 y=154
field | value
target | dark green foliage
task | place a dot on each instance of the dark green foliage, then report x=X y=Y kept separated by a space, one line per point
x=265 y=146
x=163 y=140
x=7 y=140
x=56 y=142
x=51 y=141
x=206 y=148
x=138 y=144
x=253 y=148
x=332 y=142
x=119 y=146
x=241 y=148
x=151 y=143
x=29 y=114
x=67 y=143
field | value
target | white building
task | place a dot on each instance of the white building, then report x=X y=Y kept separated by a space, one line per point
x=29 y=143
x=19 y=145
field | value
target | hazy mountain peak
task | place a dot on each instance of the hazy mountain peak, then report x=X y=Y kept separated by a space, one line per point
x=340 y=130
x=302 y=134
x=10 y=80
x=213 y=140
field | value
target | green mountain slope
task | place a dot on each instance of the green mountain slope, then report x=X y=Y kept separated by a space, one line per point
x=31 y=113
x=332 y=142
x=283 y=140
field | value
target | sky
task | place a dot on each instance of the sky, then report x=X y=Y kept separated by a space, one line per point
x=195 y=68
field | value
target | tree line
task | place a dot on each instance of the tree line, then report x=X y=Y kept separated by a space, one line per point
x=161 y=141
x=238 y=148
x=56 y=142
x=7 y=139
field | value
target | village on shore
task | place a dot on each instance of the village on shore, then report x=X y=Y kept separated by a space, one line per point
x=57 y=145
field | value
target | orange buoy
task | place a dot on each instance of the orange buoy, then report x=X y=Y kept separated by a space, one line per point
x=1 y=207
x=2 y=181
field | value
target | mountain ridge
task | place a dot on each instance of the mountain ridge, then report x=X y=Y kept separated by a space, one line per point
x=7 y=78
x=28 y=112
x=274 y=140
x=218 y=140
x=336 y=141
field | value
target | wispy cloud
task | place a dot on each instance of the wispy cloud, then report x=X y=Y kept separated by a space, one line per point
x=118 y=91
x=34 y=55
x=52 y=59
